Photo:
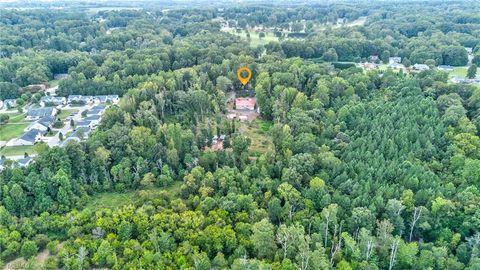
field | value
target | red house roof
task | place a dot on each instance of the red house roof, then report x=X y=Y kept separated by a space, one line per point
x=245 y=102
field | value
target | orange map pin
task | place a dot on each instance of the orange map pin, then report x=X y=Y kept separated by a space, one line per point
x=243 y=80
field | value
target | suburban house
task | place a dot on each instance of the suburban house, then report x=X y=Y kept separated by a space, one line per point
x=245 y=104
x=445 y=68
x=23 y=162
x=83 y=124
x=394 y=60
x=94 y=112
x=79 y=99
x=106 y=98
x=38 y=113
x=30 y=137
x=10 y=103
x=70 y=139
x=78 y=135
x=94 y=119
x=420 y=67
x=55 y=101
x=42 y=124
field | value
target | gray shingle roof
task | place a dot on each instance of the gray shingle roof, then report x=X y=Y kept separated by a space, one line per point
x=94 y=112
x=30 y=135
x=40 y=112
x=83 y=123
x=92 y=117
x=24 y=161
x=47 y=120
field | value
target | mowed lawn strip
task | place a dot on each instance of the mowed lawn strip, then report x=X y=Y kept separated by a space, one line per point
x=17 y=150
x=65 y=113
x=14 y=128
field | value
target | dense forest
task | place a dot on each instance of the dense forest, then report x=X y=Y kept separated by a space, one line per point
x=366 y=170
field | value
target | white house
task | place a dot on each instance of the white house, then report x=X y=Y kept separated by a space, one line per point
x=83 y=124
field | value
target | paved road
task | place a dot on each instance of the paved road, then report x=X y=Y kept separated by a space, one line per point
x=55 y=140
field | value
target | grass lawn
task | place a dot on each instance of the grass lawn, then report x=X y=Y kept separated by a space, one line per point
x=458 y=72
x=255 y=40
x=14 y=128
x=16 y=117
x=17 y=150
x=65 y=113
x=54 y=83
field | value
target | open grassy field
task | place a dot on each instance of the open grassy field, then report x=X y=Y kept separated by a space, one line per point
x=114 y=200
x=358 y=22
x=17 y=150
x=458 y=72
x=14 y=128
x=257 y=132
x=255 y=40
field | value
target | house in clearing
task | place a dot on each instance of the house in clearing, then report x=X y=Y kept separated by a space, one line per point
x=420 y=67
x=373 y=58
x=36 y=114
x=245 y=104
x=394 y=60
